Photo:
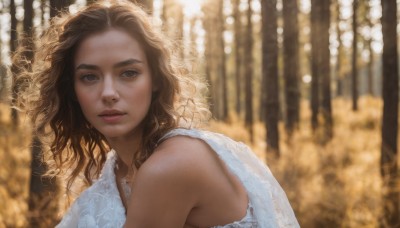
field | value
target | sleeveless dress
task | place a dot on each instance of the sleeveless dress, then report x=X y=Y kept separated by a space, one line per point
x=100 y=205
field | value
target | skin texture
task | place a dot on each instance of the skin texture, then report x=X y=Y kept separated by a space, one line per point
x=183 y=183
x=112 y=77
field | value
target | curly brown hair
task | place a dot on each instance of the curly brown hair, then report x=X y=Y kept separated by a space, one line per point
x=74 y=147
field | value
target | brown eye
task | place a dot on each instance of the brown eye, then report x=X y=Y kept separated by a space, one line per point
x=89 y=78
x=130 y=74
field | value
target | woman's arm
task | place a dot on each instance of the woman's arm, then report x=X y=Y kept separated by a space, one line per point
x=167 y=186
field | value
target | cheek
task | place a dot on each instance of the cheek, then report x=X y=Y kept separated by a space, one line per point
x=83 y=98
x=143 y=90
x=142 y=97
x=80 y=97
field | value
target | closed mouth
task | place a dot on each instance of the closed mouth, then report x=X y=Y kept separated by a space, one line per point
x=111 y=113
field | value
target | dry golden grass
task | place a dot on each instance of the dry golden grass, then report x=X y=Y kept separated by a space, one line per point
x=331 y=185
x=14 y=171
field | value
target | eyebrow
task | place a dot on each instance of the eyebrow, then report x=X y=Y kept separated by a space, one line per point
x=127 y=63
x=117 y=65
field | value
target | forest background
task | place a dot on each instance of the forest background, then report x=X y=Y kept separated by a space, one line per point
x=310 y=85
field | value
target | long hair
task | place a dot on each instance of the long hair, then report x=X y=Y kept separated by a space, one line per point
x=74 y=146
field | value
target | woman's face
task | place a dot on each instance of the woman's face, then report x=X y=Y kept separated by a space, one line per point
x=112 y=82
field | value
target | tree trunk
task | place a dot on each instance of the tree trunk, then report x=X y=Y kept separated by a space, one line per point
x=57 y=6
x=43 y=204
x=36 y=185
x=13 y=32
x=28 y=31
x=339 y=75
x=3 y=75
x=164 y=16
x=371 y=54
x=315 y=61
x=325 y=70
x=216 y=55
x=194 y=54
x=270 y=73
x=222 y=62
x=3 y=69
x=291 y=61
x=208 y=70
x=172 y=19
x=238 y=56
x=13 y=47
x=210 y=56
x=390 y=94
x=42 y=13
x=179 y=30
x=354 y=72
x=370 y=68
x=249 y=73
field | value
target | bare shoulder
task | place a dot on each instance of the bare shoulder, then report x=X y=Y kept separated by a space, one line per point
x=169 y=184
x=177 y=154
x=183 y=146
x=180 y=166
x=184 y=181
x=189 y=144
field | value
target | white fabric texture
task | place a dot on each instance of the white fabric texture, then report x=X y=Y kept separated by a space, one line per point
x=249 y=220
x=270 y=203
x=100 y=205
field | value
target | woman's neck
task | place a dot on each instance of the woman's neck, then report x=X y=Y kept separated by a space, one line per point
x=126 y=147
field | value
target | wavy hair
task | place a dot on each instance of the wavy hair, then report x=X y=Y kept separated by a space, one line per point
x=74 y=147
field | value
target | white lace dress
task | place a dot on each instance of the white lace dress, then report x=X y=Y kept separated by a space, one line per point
x=100 y=205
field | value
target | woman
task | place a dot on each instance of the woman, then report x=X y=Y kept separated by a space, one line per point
x=107 y=79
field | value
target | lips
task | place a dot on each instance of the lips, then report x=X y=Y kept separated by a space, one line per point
x=111 y=113
x=111 y=116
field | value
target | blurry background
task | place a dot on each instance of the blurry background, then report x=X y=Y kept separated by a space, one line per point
x=310 y=85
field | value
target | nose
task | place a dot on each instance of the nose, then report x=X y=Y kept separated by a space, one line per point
x=110 y=92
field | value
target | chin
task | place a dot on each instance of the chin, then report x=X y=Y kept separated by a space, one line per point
x=114 y=134
x=117 y=133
